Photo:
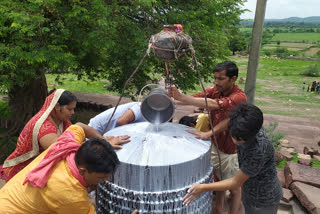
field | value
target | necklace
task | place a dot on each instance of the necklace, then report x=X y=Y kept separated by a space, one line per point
x=59 y=126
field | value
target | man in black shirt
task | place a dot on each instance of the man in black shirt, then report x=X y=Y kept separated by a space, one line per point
x=257 y=173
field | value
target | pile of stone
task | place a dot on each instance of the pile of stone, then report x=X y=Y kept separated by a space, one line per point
x=300 y=181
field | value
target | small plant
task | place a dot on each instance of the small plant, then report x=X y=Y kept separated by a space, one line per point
x=273 y=136
x=281 y=164
x=315 y=163
x=295 y=157
x=267 y=52
x=312 y=71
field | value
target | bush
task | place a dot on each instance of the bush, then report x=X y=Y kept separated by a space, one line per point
x=281 y=52
x=273 y=136
x=267 y=52
x=312 y=71
x=4 y=110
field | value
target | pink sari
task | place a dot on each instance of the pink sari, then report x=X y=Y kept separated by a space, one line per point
x=28 y=146
x=64 y=149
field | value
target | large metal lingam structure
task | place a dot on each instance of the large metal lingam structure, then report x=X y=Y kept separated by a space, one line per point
x=157 y=167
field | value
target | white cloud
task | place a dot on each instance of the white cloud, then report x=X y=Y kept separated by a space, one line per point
x=278 y=9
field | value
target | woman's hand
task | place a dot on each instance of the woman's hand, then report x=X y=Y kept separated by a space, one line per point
x=192 y=194
x=199 y=134
x=117 y=142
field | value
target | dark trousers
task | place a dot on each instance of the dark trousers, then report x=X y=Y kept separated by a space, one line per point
x=260 y=210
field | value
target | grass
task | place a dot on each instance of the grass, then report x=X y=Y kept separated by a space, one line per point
x=279 y=87
x=71 y=83
x=297 y=37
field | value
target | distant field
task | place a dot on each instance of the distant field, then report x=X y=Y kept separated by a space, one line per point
x=279 y=87
x=297 y=37
x=291 y=45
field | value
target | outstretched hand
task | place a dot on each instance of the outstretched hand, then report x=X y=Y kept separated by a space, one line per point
x=192 y=194
x=117 y=142
x=199 y=134
x=135 y=212
x=174 y=92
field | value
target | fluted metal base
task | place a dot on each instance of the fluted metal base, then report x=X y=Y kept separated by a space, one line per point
x=114 y=199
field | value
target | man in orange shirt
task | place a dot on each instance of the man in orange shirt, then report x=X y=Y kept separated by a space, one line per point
x=57 y=180
x=222 y=97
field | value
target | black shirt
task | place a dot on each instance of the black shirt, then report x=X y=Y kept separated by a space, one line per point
x=256 y=159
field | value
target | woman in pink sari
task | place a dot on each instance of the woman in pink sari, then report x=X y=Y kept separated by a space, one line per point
x=41 y=131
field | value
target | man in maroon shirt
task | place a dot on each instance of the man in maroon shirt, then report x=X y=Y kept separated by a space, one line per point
x=222 y=97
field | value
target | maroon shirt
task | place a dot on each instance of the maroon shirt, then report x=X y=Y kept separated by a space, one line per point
x=226 y=103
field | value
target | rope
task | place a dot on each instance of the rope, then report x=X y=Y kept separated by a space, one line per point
x=124 y=87
x=209 y=115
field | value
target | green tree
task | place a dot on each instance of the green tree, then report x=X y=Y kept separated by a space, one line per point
x=266 y=37
x=237 y=42
x=107 y=38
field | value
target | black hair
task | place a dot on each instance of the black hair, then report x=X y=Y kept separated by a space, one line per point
x=187 y=120
x=245 y=121
x=97 y=155
x=230 y=68
x=66 y=98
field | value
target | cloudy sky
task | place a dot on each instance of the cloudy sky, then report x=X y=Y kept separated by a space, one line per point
x=279 y=9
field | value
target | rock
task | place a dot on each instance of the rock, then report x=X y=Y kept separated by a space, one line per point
x=305 y=174
x=277 y=156
x=287 y=195
x=284 y=208
x=316 y=157
x=280 y=173
x=305 y=162
x=285 y=143
x=285 y=155
x=308 y=196
x=296 y=207
x=289 y=149
x=303 y=156
x=308 y=151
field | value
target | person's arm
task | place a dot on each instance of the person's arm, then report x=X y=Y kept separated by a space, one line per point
x=220 y=127
x=196 y=101
x=48 y=139
x=116 y=142
x=126 y=118
x=228 y=184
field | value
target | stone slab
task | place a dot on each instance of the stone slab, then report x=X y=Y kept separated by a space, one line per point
x=309 y=196
x=305 y=174
x=282 y=179
x=287 y=195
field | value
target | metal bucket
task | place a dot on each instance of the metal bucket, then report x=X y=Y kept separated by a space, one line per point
x=157 y=107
